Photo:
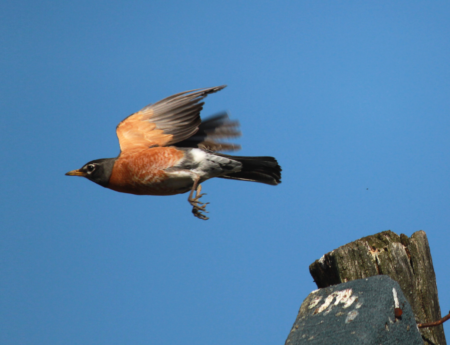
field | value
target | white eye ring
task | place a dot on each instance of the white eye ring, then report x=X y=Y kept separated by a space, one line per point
x=90 y=168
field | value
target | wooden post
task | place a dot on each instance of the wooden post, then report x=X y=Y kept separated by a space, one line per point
x=406 y=260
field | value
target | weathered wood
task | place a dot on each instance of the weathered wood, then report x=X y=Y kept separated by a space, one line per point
x=358 y=312
x=406 y=260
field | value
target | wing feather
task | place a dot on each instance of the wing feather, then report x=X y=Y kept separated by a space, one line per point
x=211 y=131
x=166 y=122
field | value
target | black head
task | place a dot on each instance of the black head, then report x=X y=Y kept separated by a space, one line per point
x=98 y=171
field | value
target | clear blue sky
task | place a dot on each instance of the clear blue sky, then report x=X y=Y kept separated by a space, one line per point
x=352 y=98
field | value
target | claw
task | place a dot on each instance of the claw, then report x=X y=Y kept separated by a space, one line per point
x=198 y=207
x=198 y=214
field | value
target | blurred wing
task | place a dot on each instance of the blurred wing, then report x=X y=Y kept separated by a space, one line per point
x=171 y=120
x=210 y=133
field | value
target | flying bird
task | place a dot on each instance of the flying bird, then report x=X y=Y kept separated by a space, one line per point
x=166 y=149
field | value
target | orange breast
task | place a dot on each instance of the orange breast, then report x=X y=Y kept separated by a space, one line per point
x=141 y=171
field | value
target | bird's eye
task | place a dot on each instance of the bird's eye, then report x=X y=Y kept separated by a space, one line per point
x=90 y=168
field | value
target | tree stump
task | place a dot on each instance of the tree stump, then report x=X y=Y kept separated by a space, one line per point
x=406 y=260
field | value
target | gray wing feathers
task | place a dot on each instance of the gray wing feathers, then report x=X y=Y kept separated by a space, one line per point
x=179 y=115
x=210 y=130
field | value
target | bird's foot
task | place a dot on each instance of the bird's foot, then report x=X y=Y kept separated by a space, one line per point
x=198 y=213
x=198 y=207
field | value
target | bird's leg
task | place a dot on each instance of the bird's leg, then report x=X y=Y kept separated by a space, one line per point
x=198 y=194
x=198 y=207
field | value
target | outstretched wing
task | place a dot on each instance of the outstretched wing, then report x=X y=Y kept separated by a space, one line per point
x=171 y=120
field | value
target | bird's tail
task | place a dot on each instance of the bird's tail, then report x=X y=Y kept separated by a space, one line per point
x=257 y=169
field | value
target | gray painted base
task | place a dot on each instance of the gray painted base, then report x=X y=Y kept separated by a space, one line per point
x=358 y=312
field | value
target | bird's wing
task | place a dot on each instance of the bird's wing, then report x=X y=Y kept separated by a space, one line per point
x=166 y=122
x=211 y=131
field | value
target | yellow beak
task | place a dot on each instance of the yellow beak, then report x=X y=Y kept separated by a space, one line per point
x=76 y=173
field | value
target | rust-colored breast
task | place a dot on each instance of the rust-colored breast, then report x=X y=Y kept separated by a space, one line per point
x=141 y=171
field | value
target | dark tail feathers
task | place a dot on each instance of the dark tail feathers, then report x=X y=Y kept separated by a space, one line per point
x=257 y=169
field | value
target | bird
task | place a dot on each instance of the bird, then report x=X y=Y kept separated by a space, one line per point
x=166 y=149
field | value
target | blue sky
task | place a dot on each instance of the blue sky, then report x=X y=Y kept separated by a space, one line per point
x=352 y=98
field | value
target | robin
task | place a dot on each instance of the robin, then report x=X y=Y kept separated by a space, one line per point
x=166 y=149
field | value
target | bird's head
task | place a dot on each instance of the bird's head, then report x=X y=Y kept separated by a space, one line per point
x=98 y=171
